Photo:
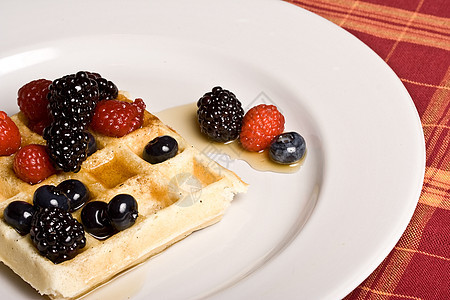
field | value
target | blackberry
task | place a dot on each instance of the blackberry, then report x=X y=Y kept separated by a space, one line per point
x=61 y=127
x=67 y=145
x=73 y=97
x=108 y=90
x=220 y=115
x=56 y=234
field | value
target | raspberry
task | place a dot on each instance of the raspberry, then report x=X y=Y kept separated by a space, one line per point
x=32 y=100
x=32 y=164
x=260 y=126
x=220 y=115
x=9 y=135
x=39 y=127
x=117 y=118
x=56 y=234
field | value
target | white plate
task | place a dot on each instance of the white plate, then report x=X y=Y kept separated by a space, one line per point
x=361 y=179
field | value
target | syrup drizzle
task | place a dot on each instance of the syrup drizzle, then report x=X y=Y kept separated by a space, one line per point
x=183 y=119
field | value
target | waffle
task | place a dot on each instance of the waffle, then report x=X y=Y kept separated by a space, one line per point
x=176 y=197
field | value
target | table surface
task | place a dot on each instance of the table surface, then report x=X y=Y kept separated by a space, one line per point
x=413 y=38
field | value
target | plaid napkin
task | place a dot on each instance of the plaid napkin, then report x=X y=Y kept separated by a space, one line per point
x=413 y=37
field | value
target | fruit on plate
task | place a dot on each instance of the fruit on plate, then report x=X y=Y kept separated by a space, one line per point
x=220 y=115
x=260 y=125
x=56 y=234
x=83 y=249
x=10 y=137
x=122 y=211
x=96 y=221
x=287 y=148
x=19 y=214
x=76 y=192
x=160 y=149
x=118 y=118
x=32 y=164
x=33 y=102
x=50 y=196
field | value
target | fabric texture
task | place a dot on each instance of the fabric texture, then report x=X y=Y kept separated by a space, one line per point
x=413 y=38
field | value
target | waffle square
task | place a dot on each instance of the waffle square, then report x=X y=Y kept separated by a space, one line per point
x=176 y=197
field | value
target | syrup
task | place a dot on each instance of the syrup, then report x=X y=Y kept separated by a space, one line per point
x=183 y=119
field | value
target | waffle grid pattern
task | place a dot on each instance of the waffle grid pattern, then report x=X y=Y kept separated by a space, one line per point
x=184 y=187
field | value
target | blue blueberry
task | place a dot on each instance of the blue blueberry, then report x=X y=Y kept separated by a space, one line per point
x=92 y=145
x=94 y=217
x=50 y=196
x=122 y=211
x=287 y=148
x=160 y=149
x=18 y=214
x=76 y=191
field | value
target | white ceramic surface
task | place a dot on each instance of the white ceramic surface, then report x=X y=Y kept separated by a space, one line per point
x=359 y=184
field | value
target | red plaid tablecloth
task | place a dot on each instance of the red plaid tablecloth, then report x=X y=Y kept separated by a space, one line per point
x=413 y=37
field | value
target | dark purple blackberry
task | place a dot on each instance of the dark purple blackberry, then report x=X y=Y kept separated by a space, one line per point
x=67 y=145
x=61 y=127
x=108 y=90
x=73 y=97
x=56 y=234
x=220 y=115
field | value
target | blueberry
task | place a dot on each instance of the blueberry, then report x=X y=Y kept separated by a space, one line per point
x=122 y=211
x=287 y=148
x=50 y=196
x=92 y=145
x=76 y=191
x=95 y=219
x=160 y=149
x=18 y=214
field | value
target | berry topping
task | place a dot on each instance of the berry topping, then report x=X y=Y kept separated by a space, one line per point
x=220 y=115
x=122 y=211
x=117 y=118
x=67 y=145
x=76 y=192
x=18 y=214
x=92 y=144
x=260 y=125
x=32 y=164
x=39 y=126
x=287 y=148
x=73 y=97
x=32 y=100
x=72 y=101
x=108 y=90
x=9 y=135
x=50 y=196
x=95 y=219
x=160 y=149
x=56 y=234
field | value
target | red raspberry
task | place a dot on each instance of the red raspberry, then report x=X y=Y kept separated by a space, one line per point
x=39 y=126
x=9 y=135
x=260 y=126
x=32 y=100
x=118 y=118
x=32 y=164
